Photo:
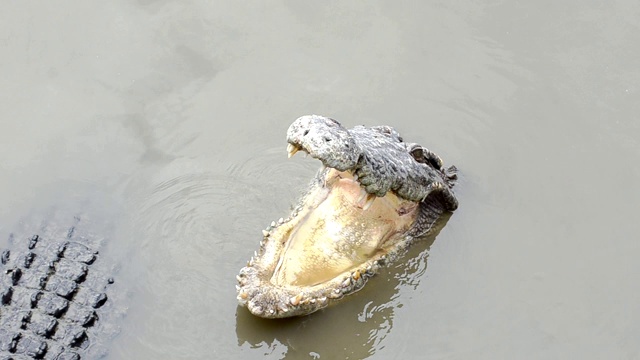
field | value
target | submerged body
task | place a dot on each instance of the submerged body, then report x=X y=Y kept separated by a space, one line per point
x=373 y=196
x=55 y=291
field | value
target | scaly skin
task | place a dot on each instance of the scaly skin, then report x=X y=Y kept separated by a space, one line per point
x=53 y=292
x=374 y=195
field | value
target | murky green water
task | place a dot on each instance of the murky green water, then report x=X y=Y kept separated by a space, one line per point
x=170 y=117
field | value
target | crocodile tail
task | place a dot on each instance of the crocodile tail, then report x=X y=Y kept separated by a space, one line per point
x=451 y=175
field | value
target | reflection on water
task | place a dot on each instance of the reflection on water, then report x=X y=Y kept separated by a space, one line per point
x=364 y=318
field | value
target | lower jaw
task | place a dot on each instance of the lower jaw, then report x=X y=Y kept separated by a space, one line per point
x=258 y=292
x=264 y=299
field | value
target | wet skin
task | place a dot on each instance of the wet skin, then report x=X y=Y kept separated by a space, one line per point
x=373 y=196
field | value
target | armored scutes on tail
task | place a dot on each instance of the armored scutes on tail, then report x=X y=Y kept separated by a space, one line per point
x=52 y=303
x=374 y=195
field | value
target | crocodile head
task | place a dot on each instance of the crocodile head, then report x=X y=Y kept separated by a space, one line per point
x=372 y=197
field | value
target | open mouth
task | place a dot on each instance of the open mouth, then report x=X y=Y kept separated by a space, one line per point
x=372 y=197
x=335 y=239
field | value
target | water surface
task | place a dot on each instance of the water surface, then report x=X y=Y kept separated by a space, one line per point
x=170 y=117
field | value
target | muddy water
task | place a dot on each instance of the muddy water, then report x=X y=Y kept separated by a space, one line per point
x=169 y=118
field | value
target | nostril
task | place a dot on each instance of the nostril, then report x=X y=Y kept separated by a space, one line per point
x=305 y=132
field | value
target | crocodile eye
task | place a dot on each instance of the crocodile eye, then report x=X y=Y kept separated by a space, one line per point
x=418 y=155
x=327 y=139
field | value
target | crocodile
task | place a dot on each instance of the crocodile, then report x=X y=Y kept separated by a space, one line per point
x=54 y=300
x=373 y=196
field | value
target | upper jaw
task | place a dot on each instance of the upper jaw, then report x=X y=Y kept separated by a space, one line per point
x=327 y=157
x=324 y=139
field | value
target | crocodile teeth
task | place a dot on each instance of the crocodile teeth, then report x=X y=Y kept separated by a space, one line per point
x=282 y=307
x=363 y=195
x=292 y=150
x=369 y=202
x=295 y=300
x=356 y=274
x=366 y=200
